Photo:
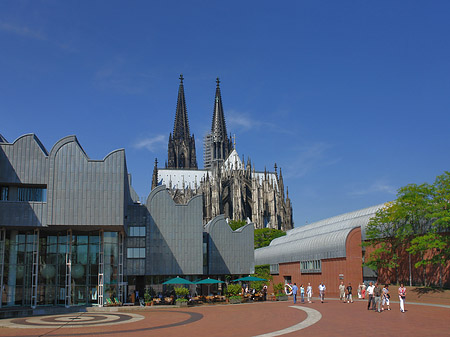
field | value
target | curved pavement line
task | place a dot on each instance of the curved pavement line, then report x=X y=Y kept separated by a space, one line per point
x=313 y=316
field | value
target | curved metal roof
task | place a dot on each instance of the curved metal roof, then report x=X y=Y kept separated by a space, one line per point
x=323 y=239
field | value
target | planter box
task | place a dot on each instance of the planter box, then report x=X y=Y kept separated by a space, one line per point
x=181 y=304
x=235 y=300
x=282 y=298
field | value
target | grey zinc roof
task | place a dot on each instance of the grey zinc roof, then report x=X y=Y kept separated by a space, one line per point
x=323 y=239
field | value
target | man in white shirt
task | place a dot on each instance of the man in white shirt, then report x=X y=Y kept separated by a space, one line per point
x=370 y=289
x=322 y=289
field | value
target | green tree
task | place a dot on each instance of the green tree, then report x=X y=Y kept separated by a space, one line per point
x=235 y=224
x=415 y=221
x=264 y=236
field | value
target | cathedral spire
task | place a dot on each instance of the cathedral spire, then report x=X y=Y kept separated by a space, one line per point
x=181 y=149
x=181 y=124
x=155 y=175
x=219 y=127
x=220 y=144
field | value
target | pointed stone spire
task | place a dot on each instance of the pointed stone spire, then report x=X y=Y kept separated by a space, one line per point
x=181 y=124
x=155 y=175
x=181 y=147
x=218 y=128
x=220 y=144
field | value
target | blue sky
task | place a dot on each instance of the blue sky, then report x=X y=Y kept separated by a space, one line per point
x=350 y=98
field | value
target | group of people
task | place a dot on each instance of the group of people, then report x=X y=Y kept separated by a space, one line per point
x=346 y=293
x=378 y=296
x=308 y=291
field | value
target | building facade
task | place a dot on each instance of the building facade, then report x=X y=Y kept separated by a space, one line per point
x=72 y=231
x=327 y=251
x=229 y=185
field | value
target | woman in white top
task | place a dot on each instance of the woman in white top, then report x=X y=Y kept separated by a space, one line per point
x=309 y=292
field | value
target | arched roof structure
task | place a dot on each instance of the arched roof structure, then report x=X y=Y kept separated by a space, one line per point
x=323 y=239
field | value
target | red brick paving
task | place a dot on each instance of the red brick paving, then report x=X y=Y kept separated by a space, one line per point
x=338 y=319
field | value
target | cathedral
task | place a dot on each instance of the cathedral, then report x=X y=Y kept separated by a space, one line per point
x=228 y=184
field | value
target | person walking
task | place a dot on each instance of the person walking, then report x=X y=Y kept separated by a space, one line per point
x=309 y=292
x=349 y=293
x=377 y=296
x=342 y=292
x=264 y=291
x=401 y=297
x=370 y=293
x=302 y=293
x=322 y=289
x=294 y=292
x=386 y=297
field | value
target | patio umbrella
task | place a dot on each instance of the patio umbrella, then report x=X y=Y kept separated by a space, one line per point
x=209 y=281
x=178 y=280
x=250 y=279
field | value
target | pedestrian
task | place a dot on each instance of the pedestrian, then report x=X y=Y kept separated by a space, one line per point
x=386 y=297
x=264 y=291
x=342 y=292
x=302 y=293
x=363 y=290
x=359 y=290
x=377 y=296
x=309 y=292
x=402 y=296
x=294 y=292
x=322 y=289
x=349 y=293
x=370 y=294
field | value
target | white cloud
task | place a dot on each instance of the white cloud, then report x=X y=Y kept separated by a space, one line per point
x=378 y=186
x=22 y=31
x=308 y=157
x=243 y=121
x=152 y=143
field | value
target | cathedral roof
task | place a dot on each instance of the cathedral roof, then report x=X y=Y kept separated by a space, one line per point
x=233 y=162
x=181 y=124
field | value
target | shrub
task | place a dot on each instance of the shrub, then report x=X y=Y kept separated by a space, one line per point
x=181 y=291
x=233 y=290
x=278 y=288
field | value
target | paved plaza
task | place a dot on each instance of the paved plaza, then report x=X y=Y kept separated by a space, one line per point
x=331 y=318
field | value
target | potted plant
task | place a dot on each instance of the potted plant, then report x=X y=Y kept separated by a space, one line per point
x=147 y=297
x=181 y=293
x=233 y=291
x=279 y=292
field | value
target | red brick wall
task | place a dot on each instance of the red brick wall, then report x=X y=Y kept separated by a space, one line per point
x=431 y=274
x=350 y=267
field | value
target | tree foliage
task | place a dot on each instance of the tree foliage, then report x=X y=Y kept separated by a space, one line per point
x=264 y=236
x=418 y=221
x=236 y=224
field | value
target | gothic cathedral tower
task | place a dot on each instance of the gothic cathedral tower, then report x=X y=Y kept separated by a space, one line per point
x=181 y=152
x=217 y=142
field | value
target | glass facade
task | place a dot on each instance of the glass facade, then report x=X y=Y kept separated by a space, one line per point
x=80 y=249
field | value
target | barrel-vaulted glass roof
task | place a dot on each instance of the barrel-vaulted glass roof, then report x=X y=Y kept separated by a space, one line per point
x=323 y=239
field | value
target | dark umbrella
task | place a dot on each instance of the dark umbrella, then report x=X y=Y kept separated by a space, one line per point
x=178 y=280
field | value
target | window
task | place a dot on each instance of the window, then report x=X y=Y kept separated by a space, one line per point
x=31 y=194
x=137 y=231
x=314 y=266
x=4 y=193
x=274 y=269
x=136 y=253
